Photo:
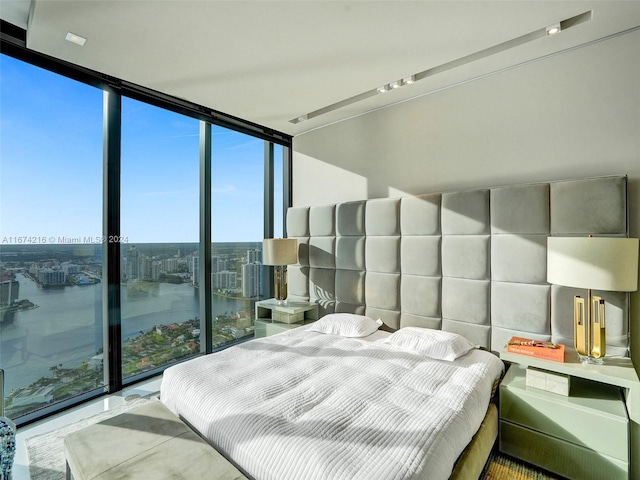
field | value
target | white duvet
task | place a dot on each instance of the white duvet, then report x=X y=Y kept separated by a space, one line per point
x=303 y=405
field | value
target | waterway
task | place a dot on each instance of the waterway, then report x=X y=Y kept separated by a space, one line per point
x=66 y=328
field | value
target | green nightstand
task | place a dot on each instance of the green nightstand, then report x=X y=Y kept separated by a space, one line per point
x=581 y=436
x=272 y=317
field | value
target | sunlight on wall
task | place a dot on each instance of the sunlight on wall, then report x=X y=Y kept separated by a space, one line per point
x=330 y=184
x=396 y=192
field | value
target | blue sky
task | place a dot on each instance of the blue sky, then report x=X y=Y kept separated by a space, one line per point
x=51 y=166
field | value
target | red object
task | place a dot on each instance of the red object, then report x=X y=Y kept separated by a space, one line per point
x=515 y=345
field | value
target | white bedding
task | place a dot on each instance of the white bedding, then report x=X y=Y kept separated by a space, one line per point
x=306 y=405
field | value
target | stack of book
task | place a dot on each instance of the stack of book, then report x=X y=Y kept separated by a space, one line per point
x=536 y=348
x=550 y=381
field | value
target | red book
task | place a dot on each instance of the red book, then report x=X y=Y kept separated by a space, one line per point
x=536 y=348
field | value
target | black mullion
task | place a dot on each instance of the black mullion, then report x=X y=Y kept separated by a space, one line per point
x=268 y=190
x=112 y=131
x=287 y=187
x=268 y=229
x=204 y=280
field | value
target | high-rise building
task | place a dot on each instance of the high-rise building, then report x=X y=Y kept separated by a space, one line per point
x=132 y=268
x=156 y=271
x=225 y=280
x=170 y=265
x=219 y=264
x=49 y=277
x=9 y=291
x=195 y=269
x=254 y=255
x=144 y=269
x=251 y=280
x=71 y=268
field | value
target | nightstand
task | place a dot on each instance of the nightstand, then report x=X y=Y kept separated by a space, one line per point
x=272 y=318
x=581 y=436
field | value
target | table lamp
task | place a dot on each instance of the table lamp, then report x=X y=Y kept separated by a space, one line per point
x=280 y=252
x=599 y=263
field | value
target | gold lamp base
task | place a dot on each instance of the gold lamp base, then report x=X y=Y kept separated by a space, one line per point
x=280 y=284
x=589 y=330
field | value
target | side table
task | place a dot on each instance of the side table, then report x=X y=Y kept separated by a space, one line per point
x=273 y=317
x=585 y=435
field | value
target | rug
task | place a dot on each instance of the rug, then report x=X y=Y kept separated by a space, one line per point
x=46 y=451
x=503 y=467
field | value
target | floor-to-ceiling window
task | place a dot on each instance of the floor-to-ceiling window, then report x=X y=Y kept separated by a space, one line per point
x=50 y=237
x=159 y=233
x=57 y=207
x=237 y=224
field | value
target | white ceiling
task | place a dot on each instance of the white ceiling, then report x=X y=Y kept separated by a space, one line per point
x=273 y=61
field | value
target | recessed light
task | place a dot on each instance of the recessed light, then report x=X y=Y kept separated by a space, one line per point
x=553 y=29
x=396 y=84
x=77 y=39
x=383 y=89
x=409 y=80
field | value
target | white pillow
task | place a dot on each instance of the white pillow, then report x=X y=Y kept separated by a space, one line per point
x=346 y=325
x=436 y=344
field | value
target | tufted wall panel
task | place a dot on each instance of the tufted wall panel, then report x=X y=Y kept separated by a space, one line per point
x=471 y=262
x=595 y=206
x=520 y=293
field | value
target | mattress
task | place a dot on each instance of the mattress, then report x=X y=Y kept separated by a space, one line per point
x=309 y=405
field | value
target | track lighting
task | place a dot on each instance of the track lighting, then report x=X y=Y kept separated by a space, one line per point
x=409 y=80
x=553 y=29
x=397 y=84
x=534 y=35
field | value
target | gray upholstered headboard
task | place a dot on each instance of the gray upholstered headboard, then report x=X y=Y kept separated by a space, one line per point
x=471 y=262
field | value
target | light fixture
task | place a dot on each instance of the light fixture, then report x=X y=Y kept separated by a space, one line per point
x=532 y=36
x=396 y=84
x=553 y=29
x=77 y=39
x=600 y=263
x=302 y=118
x=280 y=252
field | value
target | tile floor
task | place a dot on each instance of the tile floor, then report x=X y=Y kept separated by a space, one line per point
x=21 y=462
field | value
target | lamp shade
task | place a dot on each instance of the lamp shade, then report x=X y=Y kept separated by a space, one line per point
x=279 y=251
x=598 y=263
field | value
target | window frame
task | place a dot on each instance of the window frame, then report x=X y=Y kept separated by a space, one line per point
x=13 y=44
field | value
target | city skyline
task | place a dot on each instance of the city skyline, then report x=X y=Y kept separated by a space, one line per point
x=51 y=167
x=235 y=266
x=52 y=312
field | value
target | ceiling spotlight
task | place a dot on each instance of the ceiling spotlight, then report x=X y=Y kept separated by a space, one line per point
x=396 y=84
x=553 y=29
x=409 y=80
x=77 y=39
x=302 y=118
x=383 y=89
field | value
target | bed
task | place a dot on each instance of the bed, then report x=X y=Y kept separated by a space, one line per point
x=471 y=262
x=308 y=404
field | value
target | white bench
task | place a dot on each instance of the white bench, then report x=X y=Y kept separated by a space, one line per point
x=145 y=442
